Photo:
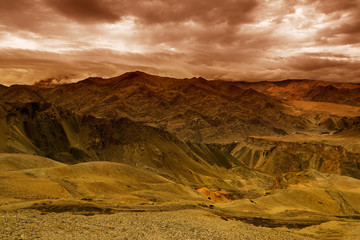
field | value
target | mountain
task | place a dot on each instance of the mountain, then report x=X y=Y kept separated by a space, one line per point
x=193 y=109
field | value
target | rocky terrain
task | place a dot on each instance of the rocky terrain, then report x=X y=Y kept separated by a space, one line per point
x=143 y=156
x=184 y=224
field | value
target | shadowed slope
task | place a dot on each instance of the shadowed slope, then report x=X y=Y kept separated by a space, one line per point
x=46 y=130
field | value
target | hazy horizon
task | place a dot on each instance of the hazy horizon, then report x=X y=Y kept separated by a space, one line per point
x=57 y=81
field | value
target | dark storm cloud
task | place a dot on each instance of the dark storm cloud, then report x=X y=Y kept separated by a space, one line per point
x=204 y=11
x=230 y=39
x=85 y=10
x=343 y=21
x=332 y=6
x=323 y=66
x=347 y=32
x=14 y=5
x=311 y=62
x=19 y=14
x=157 y=11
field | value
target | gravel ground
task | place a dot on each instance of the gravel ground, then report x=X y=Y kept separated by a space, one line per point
x=184 y=224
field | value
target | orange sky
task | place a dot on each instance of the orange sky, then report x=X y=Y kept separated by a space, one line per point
x=249 y=40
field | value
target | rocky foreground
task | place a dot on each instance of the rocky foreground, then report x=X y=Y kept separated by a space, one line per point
x=184 y=224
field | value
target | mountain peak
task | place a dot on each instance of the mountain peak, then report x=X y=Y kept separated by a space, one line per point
x=91 y=80
x=130 y=75
x=135 y=74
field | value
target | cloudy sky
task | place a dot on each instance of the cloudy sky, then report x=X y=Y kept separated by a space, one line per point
x=247 y=40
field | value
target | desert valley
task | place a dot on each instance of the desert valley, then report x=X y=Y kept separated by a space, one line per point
x=149 y=157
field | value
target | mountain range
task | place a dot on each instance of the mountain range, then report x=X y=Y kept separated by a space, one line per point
x=143 y=139
x=196 y=109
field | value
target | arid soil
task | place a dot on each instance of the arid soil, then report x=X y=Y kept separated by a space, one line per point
x=184 y=224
